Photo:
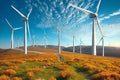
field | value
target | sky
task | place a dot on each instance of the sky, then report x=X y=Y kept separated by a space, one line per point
x=47 y=15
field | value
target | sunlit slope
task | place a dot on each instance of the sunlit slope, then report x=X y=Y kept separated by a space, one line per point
x=14 y=65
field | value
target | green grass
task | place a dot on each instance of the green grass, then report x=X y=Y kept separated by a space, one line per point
x=46 y=73
x=77 y=74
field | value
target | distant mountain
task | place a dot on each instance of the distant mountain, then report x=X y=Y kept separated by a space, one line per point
x=1 y=50
x=109 y=51
x=48 y=46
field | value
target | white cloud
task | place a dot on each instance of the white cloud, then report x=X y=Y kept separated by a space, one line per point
x=110 y=15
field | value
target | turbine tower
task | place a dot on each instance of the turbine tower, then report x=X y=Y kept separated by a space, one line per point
x=58 y=30
x=80 y=46
x=26 y=25
x=102 y=39
x=59 y=49
x=94 y=16
x=33 y=41
x=12 y=34
x=73 y=44
x=45 y=39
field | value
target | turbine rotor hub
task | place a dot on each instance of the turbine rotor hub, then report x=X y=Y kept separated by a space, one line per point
x=93 y=15
x=25 y=19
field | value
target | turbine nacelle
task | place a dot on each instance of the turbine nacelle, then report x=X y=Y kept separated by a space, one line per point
x=25 y=19
x=92 y=15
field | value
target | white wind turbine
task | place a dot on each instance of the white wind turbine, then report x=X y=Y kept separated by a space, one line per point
x=33 y=41
x=26 y=25
x=104 y=18
x=59 y=31
x=73 y=44
x=80 y=46
x=45 y=39
x=102 y=39
x=59 y=41
x=12 y=34
x=94 y=16
x=59 y=46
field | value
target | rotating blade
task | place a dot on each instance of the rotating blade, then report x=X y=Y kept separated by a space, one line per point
x=17 y=11
x=9 y=23
x=81 y=9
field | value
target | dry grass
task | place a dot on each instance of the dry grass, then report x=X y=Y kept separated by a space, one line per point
x=98 y=68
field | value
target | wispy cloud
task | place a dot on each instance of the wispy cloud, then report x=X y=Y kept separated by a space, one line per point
x=59 y=12
x=61 y=15
x=110 y=15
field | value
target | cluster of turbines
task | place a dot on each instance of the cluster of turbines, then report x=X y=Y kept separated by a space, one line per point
x=26 y=26
x=92 y=15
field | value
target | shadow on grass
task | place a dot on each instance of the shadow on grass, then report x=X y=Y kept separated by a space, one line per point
x=85 y=71
x=61 y=78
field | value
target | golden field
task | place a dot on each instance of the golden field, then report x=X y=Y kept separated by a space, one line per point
x=14 y=65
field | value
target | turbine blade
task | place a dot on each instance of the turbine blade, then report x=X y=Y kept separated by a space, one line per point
x=29 y=13
x=97 y=8
x=9 y=23
x=17 y=28
x=100 y=40
x=28 y=27
x=99 y=26
x=17 y=11
x=81 y=9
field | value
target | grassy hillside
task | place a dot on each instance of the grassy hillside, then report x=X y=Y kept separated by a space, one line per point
x=14 y=65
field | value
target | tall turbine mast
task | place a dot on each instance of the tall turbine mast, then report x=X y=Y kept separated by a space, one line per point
x=26 y=26
x=73 y=44
x=45 y=39
x=12 y=34
x=103 y=53
x=33 y=41
x=59 y=48
x=94 y=16
x=102 y=39
x=80 y=46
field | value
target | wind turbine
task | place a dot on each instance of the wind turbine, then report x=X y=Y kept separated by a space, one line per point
x=12 y=34
x=94 y=16
x=59 y=47
x=59 y=41
x=26 y=25
x=102 y=39
x=33 y=41
x=37 y=41
x=80 y=46
x=45 y=39
x=73 y=44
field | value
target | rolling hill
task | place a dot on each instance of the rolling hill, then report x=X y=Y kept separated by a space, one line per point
x=109 y=51
x=15 y=65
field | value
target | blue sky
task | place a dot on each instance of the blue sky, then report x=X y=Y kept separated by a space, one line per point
x=57 y=13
